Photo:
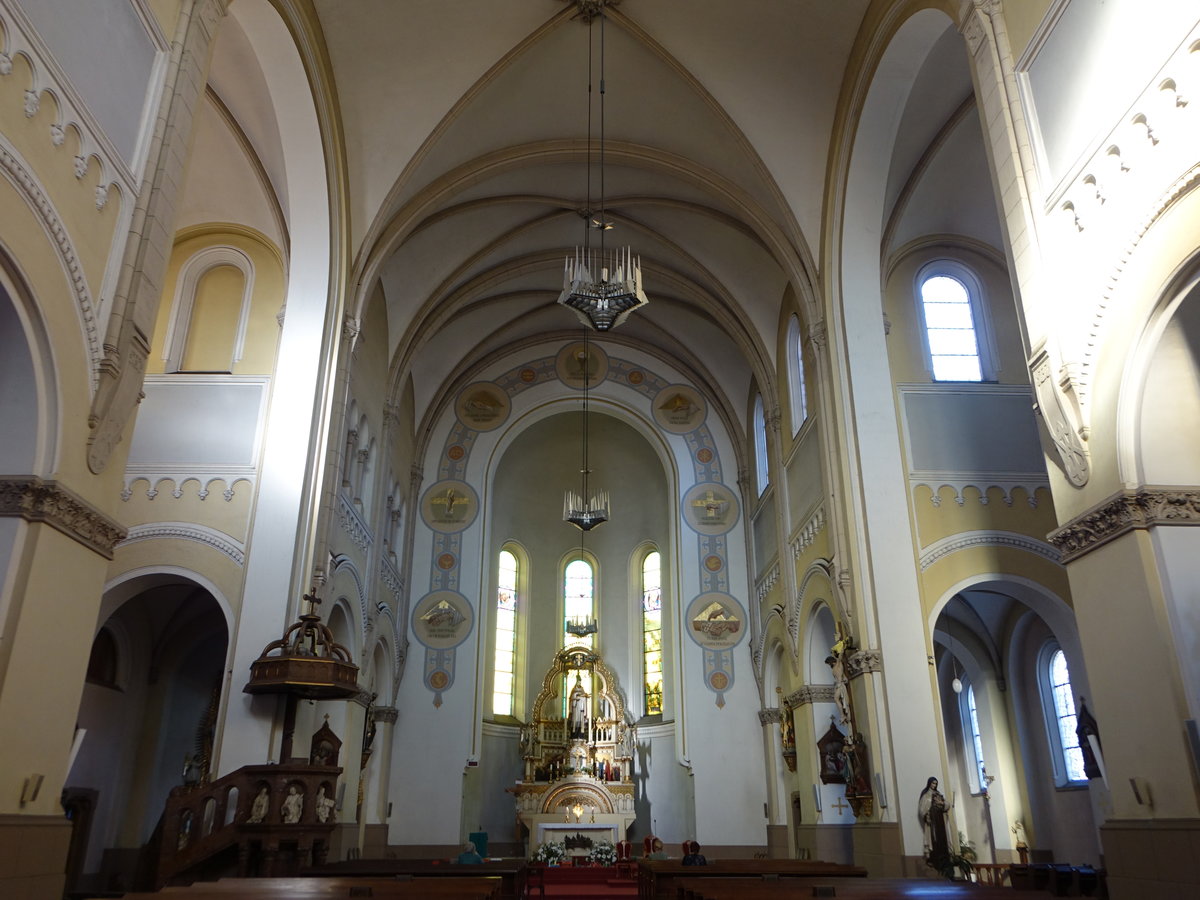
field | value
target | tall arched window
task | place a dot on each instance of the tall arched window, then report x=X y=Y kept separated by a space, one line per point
x=504 y=671
x=579 y=594
x=652 y=658
x=1058 y=702
x=951 y=305
x=760 y=445
x=797 y=392
x=971 y=727
x=579 y=613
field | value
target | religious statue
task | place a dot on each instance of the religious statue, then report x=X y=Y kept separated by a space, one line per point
x=1087 y=730
x=628 y=742
x=527 y=740
x=259 y=808
x=579 y=710
x=932 y=810
x=841 y=683
x=293 y=805
x=324 y=806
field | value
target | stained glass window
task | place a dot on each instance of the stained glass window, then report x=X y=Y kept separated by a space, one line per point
x=504 y=670
x=652 y=632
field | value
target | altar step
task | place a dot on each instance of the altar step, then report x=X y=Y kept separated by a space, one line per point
x=602 y=891
x=587 y=884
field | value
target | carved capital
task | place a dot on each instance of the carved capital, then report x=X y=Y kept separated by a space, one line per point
x=810 y=693
x=350 y=328
x=1145 y=507
x=386 y=714
x=47 y=502
x=364 y=698
x=860 y=662
x=770 y=716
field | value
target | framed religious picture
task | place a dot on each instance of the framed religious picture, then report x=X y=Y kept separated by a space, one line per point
x=829 y=751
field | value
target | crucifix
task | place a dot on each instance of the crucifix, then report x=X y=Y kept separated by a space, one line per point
x=841 y=806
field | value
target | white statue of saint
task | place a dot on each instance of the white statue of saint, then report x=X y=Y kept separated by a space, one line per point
x=259 y=808
x=293 y=805
x=324 y=806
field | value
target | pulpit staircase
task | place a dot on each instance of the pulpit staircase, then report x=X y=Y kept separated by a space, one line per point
x=206 y=830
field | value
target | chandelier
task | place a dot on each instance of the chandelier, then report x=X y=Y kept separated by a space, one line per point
x=587 y=507
x=604 y=286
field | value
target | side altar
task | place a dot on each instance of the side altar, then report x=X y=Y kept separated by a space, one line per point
x=577 y=752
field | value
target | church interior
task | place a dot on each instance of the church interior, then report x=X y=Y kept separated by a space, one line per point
x=653 y=418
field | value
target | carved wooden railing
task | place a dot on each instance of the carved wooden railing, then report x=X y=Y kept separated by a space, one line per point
x=250 y=809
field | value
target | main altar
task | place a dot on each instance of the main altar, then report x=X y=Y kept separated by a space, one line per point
x=577 y=752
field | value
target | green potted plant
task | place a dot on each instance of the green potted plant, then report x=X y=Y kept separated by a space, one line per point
x=961 y=860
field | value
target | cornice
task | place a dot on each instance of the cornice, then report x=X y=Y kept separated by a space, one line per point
x=39 y=501
x=1146 y=507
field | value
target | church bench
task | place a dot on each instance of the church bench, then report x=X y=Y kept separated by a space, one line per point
x=796 y=888
x=298 y=888
x=656 y=878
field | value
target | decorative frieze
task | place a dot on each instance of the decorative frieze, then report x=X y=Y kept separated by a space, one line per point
x=968 y=539
x=771 y=716
x=217 y=540
x=352 y=523
x=1145 y=507
x=39 y=501
x=392 y=578
x=808 y=532
x=810 y=693
x=767 y=582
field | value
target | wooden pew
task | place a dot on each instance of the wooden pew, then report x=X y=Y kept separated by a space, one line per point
x=804 y=888
x=656 y=878
x=452 y=888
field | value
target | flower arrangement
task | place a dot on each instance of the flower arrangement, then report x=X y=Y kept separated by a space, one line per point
x=603 y=854
x=552 y=853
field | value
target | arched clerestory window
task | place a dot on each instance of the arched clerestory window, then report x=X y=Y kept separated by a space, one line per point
x=797 y=391
x=950 y=298
x=761 y=471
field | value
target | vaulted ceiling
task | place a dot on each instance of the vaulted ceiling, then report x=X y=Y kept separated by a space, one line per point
x=466 y=131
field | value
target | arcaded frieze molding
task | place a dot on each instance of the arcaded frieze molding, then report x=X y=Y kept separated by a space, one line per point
x=767 y=582
x=1030 y=484
x=210 y=537
x=1149 y=506
x=24 y=181
x=386 y=714
x=808 y=532
x=39 y=501
x=771 y=716
x=965 y=540
x=173 y=482
x=353 y=524
x=392 y=578
x=863 y=661
x=809 y=693
x=72 y=113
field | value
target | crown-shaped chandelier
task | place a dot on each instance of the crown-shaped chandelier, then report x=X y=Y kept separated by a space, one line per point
x=587 y=507
x=603 y=286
